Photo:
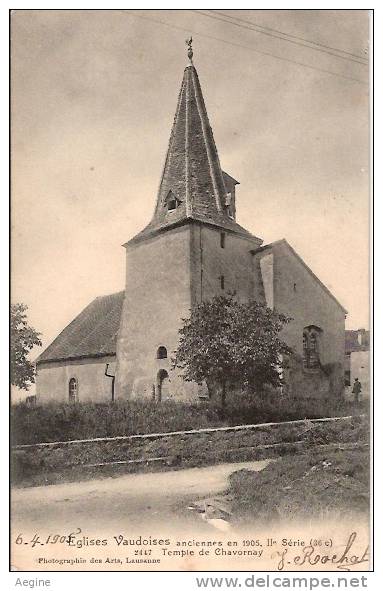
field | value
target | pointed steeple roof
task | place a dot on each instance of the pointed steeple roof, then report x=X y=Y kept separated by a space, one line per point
x=192 y=185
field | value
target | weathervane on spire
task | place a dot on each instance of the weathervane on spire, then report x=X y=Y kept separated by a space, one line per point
x=189 y=42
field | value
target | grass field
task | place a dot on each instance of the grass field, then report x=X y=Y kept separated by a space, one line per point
x=316 y=485
x=64 y=422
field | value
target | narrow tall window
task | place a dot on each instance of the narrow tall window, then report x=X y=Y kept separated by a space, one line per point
x=313 y=342
x=73 y=394
x=305 y=351
x=223 y=237
x=229 y=203
x=314 y=353
x=222 y=281
x=311 y=347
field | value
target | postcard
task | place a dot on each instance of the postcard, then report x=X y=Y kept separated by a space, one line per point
x=190 y=339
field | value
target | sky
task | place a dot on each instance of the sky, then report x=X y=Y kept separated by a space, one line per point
x=93 y=99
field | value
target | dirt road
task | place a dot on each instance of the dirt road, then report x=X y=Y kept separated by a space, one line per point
x=135 y=502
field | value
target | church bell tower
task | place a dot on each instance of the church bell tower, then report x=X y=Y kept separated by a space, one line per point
x=191 y=250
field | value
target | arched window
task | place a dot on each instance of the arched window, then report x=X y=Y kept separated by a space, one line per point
x=162 y=353
x=73 y=390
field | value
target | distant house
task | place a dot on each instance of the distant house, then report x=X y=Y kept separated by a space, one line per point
x=357 y=359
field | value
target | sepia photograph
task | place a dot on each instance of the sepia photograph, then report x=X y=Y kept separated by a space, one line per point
x=190 y=302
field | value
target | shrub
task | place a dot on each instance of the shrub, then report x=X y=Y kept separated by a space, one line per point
x=63 y=422
x=245 y=408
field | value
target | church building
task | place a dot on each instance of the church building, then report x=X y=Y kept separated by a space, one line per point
x=120 y=346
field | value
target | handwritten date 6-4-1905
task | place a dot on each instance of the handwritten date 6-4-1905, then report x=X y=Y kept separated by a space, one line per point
x=71 y=539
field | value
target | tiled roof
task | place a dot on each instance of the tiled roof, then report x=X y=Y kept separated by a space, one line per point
x=352 y=343
x=192 y=171
x=92 y=333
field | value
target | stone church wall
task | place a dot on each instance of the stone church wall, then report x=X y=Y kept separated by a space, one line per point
x=52 y=380
x=157 y=297
x=181 y=265
x=298 y=294
x=233 y=262
x=168 y=273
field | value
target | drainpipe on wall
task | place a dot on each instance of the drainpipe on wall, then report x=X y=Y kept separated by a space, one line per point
x=113 y=380
x=201 y=260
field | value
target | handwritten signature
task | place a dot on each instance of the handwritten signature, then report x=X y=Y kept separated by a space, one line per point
x=310 y=556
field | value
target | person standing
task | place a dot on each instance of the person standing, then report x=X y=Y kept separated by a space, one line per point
x=356 y=390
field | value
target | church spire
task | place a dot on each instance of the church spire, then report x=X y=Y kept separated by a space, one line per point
x=192 y=185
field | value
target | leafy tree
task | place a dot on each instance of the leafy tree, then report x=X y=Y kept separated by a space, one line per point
x=226 y=341
x=23 y=339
